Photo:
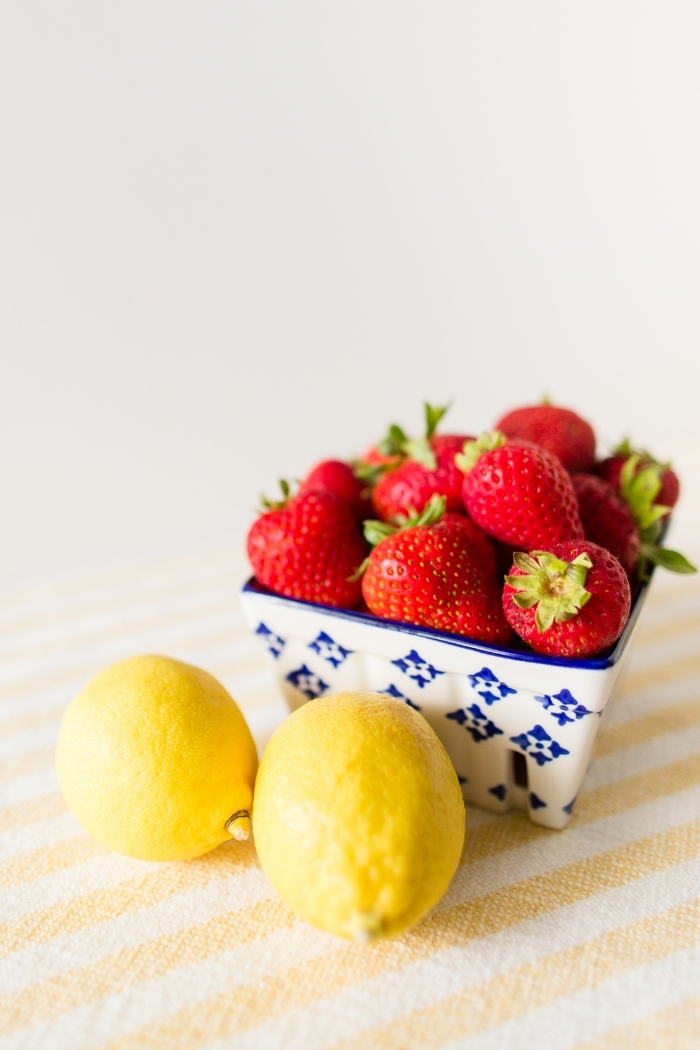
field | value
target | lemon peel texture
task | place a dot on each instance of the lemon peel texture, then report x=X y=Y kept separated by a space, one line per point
x=155 y=760
x=358 y=815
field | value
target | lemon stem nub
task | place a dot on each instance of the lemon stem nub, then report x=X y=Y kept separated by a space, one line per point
x=239 y=825
x=366 y=926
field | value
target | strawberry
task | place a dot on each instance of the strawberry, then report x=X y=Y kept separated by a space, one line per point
x=308 y=547
x=518 y=493
x=611 y=469
x=331 y=475
x=640 y=481
x=558 y=430
x=429 y=468
x=408 y=488
x=570 y=600
x=439 y=572
x=607 y=519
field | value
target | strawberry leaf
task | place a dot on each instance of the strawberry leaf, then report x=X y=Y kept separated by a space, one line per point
x=553 y=586
x=393 y=443
x=640 y=489
x=269 y=504
x=360 y=571
x=433 y=415
x=488 y=441
x=370 y=473
x=376 y=531
x=667 y=559
x=420 y=451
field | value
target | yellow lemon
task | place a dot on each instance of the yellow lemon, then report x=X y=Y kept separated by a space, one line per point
x=358 y=815
x=155 y=760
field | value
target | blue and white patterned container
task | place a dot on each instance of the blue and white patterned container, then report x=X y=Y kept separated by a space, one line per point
x=519 y=727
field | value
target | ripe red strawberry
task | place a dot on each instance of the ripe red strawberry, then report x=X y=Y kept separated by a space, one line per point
x=308 y=547
x=408 y=488
x=611 y=468
x=640 y=481
x=331 y=475
x=518 y=493
x=607 y=520
x=558 y=430
x=441 y=574
x=570 y=600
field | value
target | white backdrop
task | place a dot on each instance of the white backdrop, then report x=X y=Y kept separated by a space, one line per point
x=237 y=237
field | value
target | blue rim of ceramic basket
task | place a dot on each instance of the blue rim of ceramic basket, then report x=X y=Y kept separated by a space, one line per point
x=599 y=663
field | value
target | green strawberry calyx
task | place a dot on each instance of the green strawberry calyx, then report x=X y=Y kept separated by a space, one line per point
x=397 y=443
x=376 y=531
x=487 y=442
x=369 y=473
x=269 y=504
x=554 y=587
x=640 y=489
x=625 y=448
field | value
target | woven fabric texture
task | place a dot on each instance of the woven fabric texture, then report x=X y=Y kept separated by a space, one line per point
x=588 y=937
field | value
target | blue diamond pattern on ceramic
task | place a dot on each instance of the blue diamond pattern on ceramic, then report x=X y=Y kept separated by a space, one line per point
x=563 y=706
x=490 y=689
x=499 y=791
x=417 y=668
x=494 y=688
x=274 y=643
x=538 y=744
x=475 y=722
x=329 y=650
x=393 y=691
x=536 y=802
x=307 y=682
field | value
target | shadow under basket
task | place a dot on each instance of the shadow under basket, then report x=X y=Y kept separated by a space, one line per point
x=519 y=727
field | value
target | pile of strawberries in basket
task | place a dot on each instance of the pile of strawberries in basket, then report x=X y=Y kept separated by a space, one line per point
x=425 y=531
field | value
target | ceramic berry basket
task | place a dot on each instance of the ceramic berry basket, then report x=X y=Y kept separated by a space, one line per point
x=519 y=727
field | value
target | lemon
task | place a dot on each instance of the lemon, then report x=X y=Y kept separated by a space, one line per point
x=358 y=815
x=155 y=760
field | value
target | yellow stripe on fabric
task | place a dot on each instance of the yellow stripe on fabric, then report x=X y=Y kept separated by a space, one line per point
x=681 y=625
x=658 y=674
x=77 y=585
x=143 y=963
x=530 y=987
x=673 y=588
x=326 y=975
x=49 y=859
x=677 y=1027
x=35 y=720
x=31 y=810
x=62 y=615
x=126 y=896
x=147 y=622
x=515 y=829
x=82 y=674
x=670 y=719
x=510 y=831
x=12 y=768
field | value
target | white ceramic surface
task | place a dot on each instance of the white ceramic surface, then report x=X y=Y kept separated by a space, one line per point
x=518 y=727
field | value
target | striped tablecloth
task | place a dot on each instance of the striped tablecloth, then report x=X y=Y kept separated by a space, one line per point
x=588 y=937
